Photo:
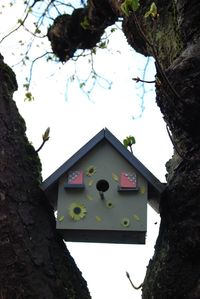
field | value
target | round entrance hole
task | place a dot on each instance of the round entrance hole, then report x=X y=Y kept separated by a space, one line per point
x=102 y=185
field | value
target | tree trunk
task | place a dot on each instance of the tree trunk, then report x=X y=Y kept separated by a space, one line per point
x=174 y=271
x=35 y=263
x=173 y=39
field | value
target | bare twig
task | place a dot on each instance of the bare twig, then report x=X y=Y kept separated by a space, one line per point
x=137 y=79
x=45 y=137
x=162 y=73
x=136 y=288
x=87 y=85
x=143 y=87
x=32 y=64
x=21 y=23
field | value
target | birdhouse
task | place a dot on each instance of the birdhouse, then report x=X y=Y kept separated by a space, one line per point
x=101 y=193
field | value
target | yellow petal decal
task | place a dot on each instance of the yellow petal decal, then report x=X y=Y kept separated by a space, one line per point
x=136 y=217
x=89 y=197
x=142 y=190
x=90 y=183
x=98 y=218
x=115 y=177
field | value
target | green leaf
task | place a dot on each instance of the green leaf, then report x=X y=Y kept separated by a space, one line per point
x=113 y=30
x=85 y=24
x=129 y=5
x=20 y=21
x=125 y=142
x=153 y=11
x=129 y=141
x=103 y=45
x=28 y=96
x=82 y=84
x=26 y=86
x=37 y=30
x=135 y=4
x=94 y=51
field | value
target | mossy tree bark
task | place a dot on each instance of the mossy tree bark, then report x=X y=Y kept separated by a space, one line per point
x=174 y=41
x=33 y=258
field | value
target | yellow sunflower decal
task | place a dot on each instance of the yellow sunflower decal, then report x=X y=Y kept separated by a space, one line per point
x=109 y=204
x=77 y=211
x=125 y=222
x=90 y=170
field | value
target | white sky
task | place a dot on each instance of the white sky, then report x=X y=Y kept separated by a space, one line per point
x=74 y=121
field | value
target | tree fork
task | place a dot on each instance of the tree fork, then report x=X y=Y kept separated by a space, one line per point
x=174 y=271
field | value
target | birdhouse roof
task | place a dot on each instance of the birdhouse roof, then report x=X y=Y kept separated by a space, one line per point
x=155 y=187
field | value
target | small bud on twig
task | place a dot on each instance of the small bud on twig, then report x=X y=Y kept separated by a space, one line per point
x=45 y=137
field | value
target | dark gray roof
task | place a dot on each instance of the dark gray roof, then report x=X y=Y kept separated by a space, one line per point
x=50 y=185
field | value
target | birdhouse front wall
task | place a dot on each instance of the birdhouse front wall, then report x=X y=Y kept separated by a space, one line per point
x=102 y=192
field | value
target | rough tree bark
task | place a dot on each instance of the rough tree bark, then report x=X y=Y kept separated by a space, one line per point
x=174 y=41
x=34 y=261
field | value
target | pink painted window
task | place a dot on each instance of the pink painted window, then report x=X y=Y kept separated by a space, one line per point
x=75 y=177
x=128 y=180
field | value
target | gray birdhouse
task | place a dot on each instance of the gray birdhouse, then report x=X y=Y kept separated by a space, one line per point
x=101 y=193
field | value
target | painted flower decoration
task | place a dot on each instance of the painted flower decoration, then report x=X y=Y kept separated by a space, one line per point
x=115 y=177
x=61 y=218
x=77 y=211
x=136 y=217
x=98 y=218
x=125 y=222
x=91 y=170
